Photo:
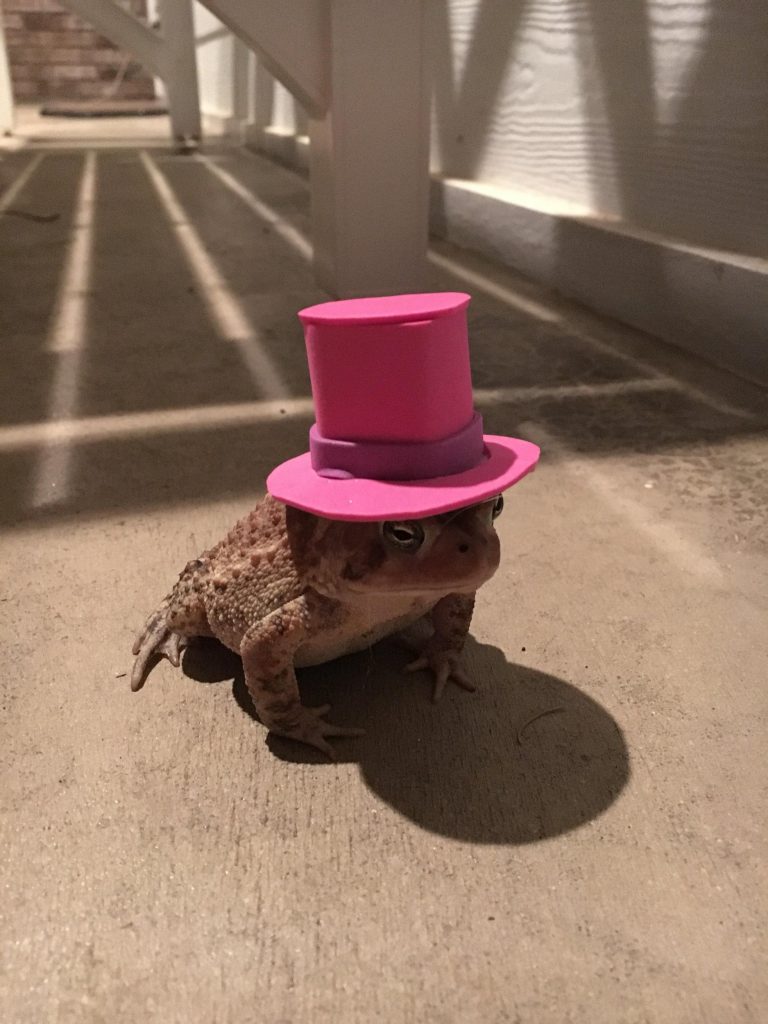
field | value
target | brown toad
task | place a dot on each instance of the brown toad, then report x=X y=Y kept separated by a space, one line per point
x=286 y=589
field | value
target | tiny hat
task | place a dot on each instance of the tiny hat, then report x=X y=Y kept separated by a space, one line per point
x=397 y=436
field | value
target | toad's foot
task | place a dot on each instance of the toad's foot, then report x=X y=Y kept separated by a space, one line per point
x=308 y=727
x=444 y=666
x=156 y=640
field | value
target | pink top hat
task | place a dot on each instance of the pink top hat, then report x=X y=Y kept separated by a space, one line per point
x=397 y=435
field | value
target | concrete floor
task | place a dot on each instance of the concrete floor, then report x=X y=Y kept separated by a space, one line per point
x=161 y=861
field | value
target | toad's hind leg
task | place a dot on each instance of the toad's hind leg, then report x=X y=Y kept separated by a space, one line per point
x=165 y=635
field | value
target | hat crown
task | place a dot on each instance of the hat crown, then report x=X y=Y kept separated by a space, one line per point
x=396 y=435
x=390 y=369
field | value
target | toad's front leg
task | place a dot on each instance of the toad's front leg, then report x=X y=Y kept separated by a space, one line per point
x=451 y=618
x=268 y=651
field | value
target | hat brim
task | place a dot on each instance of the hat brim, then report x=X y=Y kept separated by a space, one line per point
x=507 y=461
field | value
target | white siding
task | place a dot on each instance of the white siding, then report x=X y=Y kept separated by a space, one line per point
x=655 y=112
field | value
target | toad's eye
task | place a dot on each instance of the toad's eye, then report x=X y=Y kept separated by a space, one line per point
x=498 y=507
x=406 y=536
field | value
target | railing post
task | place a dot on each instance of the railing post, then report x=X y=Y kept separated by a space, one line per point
x=288 y=35
x=369 y=154
x=122 y=28
x=171 y=56
x=6 y=95
x=180 y=69
x=358 y=67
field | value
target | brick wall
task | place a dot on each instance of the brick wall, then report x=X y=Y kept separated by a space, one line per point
x=55 y=55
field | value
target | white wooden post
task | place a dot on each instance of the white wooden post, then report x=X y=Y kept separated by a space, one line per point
x=358 y=68
x=171 y=56
x=243 y=86
x=180 y=66
x=6 y=95
x=290 y=36
x=369 y=151
x=124 y=29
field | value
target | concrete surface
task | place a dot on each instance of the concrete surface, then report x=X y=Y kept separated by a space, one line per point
x=160 y=861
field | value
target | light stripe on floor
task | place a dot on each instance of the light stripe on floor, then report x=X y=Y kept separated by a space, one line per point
x=186 y=419
x=525 y=304
x=287 y=232
x=66 y=340
x=16 y=187
x=224 y=308
x=189 y=419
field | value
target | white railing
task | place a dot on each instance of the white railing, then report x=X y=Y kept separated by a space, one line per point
x=357 y=68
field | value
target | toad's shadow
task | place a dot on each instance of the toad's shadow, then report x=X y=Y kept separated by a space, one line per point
x=457 y=768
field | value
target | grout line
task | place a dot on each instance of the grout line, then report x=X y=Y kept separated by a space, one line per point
x=224 y=308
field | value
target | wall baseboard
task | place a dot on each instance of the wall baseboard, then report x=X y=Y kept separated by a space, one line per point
x=221 y=124
x=710 y=302
x=279 y=144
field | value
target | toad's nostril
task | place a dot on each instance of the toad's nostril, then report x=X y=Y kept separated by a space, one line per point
x=463 y=548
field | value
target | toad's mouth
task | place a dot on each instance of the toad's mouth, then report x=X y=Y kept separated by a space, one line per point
x=463 y=586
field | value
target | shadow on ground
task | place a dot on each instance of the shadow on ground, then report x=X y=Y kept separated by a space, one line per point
x=458 y=768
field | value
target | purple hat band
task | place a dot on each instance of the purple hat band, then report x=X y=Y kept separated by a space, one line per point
x=398 y=460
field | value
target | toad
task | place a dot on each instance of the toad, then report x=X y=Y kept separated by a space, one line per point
x=287 y=588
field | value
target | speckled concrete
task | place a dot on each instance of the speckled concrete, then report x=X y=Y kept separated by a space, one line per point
x=160 y=861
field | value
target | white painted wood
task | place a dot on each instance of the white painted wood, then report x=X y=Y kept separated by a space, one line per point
x=264 y=94
x=284 y=110
x=120 y=26
x=369 y=152
x=243 y=67
x=291 y=37
x=153 y=19
x=180 y=68
x=280 y=144
x=653 y=112
x=711 y=302
x=214 y=44
x=547 y=115
x=226 y=70
x=170 y=56
x=368 y=157
x=6 y=95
